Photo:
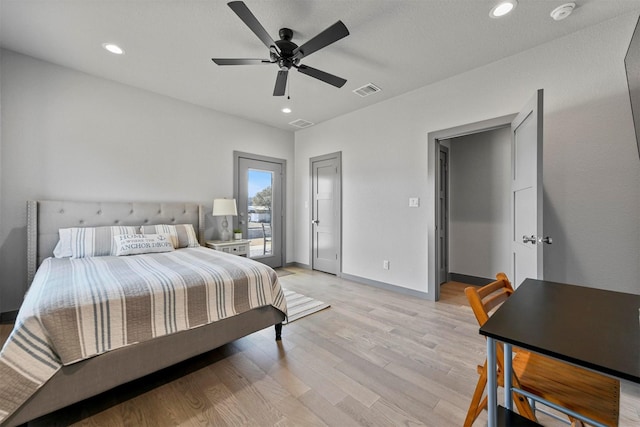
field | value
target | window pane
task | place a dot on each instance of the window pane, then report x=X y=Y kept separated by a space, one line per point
x=260 y=205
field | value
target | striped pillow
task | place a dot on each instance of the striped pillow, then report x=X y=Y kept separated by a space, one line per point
x=182 y=235
x=94 y=241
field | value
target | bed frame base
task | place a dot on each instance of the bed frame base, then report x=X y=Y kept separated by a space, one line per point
x=91 y=377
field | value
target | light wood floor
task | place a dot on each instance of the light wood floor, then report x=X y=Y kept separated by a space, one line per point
x=375 y=358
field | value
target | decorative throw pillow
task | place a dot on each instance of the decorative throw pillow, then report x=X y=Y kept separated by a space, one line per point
x=81 y=242
x=132 y=244
x=182 y=235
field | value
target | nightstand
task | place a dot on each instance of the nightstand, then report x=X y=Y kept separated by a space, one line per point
x=235 y=247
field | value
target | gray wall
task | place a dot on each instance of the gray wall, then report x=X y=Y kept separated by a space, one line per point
x=69 y=135
x=591 y=165
x=479 y=211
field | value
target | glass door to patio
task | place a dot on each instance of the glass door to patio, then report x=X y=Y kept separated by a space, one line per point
x=260 y=208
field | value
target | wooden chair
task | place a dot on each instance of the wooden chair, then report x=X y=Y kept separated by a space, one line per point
x=585 y=392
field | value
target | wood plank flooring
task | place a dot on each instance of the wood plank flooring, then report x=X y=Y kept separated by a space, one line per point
x=375 y=358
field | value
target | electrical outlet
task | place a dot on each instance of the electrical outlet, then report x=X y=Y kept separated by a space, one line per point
x=385 y=264
x=414 y=202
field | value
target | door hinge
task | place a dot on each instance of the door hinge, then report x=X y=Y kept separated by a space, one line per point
x=336 y=256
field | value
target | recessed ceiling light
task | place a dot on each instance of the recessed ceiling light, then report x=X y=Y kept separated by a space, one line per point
x=503 y=8
x=113 y=48
x=286 y=110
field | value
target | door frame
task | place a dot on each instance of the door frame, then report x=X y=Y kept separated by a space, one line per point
x=237 y=155
x=338 y=200
x=433 y=172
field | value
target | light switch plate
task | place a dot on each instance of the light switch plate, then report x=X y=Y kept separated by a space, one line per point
x=414 y=202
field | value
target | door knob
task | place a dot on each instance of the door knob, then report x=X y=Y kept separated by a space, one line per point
x=548 y=240
x=315 y=221
x=531 y=239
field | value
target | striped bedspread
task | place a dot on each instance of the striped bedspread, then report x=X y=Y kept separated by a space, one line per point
x=79 y=308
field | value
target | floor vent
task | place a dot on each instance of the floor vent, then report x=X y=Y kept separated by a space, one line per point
x=300 y=123
x=366 y=90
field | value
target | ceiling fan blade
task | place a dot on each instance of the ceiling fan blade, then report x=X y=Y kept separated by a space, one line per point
x=250 y=21
x=240 y=61
x=321 y=75
x=325 y=38
x=281 y=83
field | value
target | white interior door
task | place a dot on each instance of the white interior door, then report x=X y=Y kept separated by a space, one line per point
x=526 y=192
x=325 y=215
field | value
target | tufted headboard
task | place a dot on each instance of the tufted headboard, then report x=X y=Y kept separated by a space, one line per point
x=44 y=218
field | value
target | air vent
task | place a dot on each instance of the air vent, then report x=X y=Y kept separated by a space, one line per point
x=300 y=123
x=366 y=90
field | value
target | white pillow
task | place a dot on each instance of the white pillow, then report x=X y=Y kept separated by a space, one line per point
x=63 y=248
x=80 y=242
x=182 y=235
x=132 y=244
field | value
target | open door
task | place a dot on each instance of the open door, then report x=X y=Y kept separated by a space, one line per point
x=526 y=192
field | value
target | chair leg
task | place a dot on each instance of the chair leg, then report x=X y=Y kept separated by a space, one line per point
x=478 y=403
x=521 y=402
x=475 y=407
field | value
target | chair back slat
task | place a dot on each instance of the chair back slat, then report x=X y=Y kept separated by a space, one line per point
x=485 y=299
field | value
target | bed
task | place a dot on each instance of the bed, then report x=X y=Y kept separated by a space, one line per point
x=64 y=374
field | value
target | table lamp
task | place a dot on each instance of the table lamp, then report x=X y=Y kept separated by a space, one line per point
x=223 y=208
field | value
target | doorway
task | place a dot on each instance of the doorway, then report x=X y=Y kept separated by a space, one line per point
x=478 y=219
x=259 y=191
x=326 y=213
x=439 y=262
x=526 y=191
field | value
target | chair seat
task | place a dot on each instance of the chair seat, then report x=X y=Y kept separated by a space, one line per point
x=585 y=392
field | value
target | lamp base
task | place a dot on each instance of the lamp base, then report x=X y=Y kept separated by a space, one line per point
x=225 y=235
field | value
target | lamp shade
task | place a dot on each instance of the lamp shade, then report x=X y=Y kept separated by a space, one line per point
x=224 y=207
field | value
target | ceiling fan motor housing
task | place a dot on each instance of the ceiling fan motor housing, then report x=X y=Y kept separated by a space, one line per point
x=286 y=47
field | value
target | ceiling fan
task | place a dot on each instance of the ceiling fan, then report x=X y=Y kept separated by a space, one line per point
x=284 y=52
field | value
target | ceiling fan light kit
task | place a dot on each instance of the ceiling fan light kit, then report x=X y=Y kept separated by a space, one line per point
x=285 y=53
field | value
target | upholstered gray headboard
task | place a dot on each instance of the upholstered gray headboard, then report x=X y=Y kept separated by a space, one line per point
x=44 y=218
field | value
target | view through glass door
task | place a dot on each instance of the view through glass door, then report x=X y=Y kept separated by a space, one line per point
x=260 y=207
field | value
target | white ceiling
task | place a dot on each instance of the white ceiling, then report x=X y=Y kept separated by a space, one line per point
x=399 y=45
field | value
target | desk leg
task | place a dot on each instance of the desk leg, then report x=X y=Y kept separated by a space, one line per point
x=508 y=370
x=492 y=384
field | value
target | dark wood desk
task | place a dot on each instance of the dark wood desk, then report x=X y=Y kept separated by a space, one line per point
x=593 y=328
